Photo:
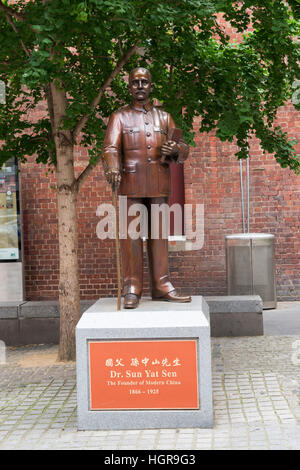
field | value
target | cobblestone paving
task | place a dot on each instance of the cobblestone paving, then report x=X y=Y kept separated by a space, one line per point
x=256 y=386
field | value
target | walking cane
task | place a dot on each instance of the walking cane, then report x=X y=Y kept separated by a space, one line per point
x=115 y=198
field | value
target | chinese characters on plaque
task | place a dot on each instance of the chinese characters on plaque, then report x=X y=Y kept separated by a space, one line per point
x=135 y=362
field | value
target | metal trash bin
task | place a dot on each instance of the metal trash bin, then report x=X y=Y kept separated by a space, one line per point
x=250 y=266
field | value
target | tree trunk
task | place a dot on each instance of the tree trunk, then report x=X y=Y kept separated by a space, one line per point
x=69 y=297
x=69 y=294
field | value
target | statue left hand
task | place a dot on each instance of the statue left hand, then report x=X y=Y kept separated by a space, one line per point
x=168 y=149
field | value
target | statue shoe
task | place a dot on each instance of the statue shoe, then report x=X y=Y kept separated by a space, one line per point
x=131 y=301
x=173 y=296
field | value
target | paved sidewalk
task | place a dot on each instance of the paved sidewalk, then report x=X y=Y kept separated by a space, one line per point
x=256 y=382
x=284 y=320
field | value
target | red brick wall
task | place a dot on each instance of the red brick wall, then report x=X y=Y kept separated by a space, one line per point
x=211 y=178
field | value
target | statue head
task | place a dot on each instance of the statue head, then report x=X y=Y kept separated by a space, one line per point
x=140 y=84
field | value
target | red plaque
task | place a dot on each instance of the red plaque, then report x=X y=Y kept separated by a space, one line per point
x=154 y=374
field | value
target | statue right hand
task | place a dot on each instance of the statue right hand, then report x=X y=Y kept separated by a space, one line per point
x=113 y=177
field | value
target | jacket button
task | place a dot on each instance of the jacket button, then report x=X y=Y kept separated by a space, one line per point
x=149 y=147
x=149 y=159
x=148 y=134
x=146 y=123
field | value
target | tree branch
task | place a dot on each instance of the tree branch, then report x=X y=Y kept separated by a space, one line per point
x=40 y=138
x=11 y=12
x=171 y=74
x=14 y=14
x=120 y=47
x=180 y=94
x=10 y=21
x=83 y=120
x=84 y=175
x=49 y=99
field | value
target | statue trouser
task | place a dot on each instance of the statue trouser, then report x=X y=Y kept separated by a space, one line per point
x=133 y=259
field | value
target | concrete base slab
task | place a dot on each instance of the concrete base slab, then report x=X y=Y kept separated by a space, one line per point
x=155 y=324
x=235 y=315
x=27 y=322
x=36 y=322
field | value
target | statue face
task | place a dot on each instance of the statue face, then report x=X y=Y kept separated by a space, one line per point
x=140 y=84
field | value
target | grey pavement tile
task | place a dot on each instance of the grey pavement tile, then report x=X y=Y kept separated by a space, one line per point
x=256 y=397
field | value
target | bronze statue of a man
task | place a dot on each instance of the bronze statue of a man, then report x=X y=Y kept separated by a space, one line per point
x=134 y=149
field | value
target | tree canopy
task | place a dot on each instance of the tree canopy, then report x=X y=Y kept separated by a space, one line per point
x=87 y=48
x=75 y=57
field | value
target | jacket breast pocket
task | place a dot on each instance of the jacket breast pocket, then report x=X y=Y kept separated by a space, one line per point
x=129 y=179
x=131 y=138
x=160 y=136
x=164 y=179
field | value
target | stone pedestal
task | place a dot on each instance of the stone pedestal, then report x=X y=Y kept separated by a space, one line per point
x=144 y=368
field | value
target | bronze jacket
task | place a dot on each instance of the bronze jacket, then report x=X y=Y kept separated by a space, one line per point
x=132 y=145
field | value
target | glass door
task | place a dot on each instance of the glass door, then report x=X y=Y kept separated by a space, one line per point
x=10 y=236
